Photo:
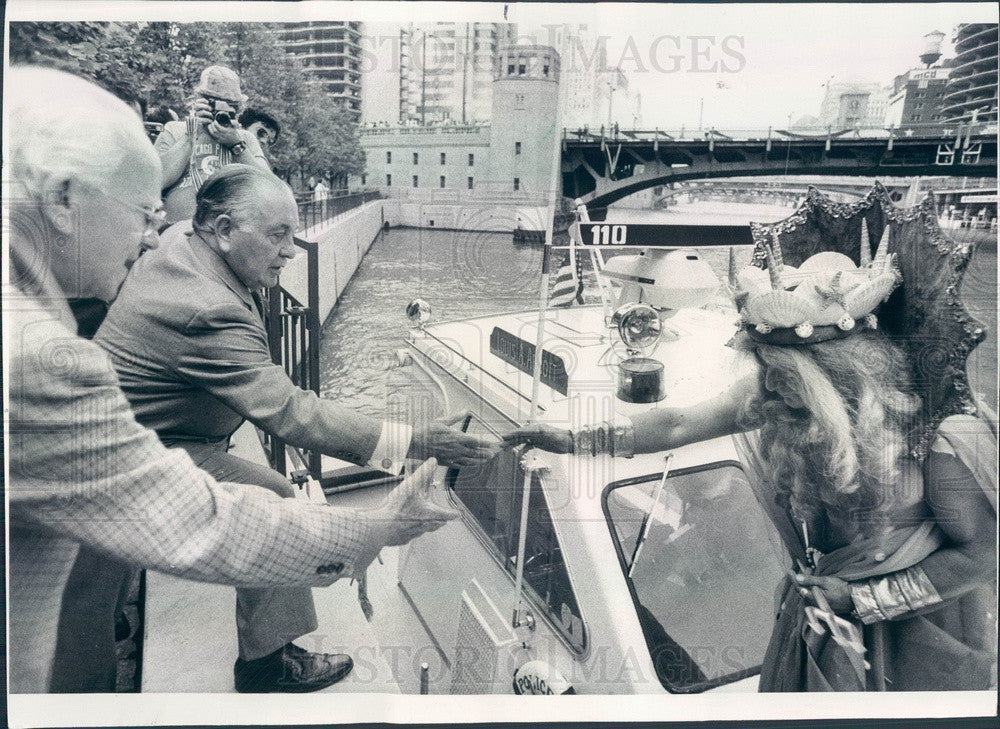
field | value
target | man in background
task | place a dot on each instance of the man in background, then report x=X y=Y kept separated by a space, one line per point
x=262 y=126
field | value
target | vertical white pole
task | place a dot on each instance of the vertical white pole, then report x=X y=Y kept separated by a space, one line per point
x=536 y=376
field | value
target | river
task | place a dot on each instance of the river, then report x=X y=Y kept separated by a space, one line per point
x=466 y=274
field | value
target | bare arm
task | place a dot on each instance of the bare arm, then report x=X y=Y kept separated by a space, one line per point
x=175 y=155
x=665 y=428
x=659 y=429
x=252 y=154
x=965 y=562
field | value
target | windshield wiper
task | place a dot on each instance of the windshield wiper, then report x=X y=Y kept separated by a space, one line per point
x=646 y=520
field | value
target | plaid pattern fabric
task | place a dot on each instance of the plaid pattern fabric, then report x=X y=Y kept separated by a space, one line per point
x=82 y=470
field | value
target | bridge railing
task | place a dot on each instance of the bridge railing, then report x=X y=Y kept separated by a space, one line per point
x=823 y=132
x=314 y=211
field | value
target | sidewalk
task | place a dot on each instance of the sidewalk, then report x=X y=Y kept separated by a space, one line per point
x=190 y=628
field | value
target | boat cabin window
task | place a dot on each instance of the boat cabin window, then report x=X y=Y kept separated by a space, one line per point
x=704 y=581
x=491 y=495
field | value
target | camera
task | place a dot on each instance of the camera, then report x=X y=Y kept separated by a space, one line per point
x=223 y=113
x=153 y=130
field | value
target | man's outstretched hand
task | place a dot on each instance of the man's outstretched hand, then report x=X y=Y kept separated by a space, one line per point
x=404 y=514
x=450 y=446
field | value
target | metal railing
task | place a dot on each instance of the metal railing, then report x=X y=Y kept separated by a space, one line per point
x=315 y=211
x=966 y=128
x=293 y=333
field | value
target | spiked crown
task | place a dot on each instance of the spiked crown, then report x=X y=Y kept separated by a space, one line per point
x=823 y=298
x=924 y=315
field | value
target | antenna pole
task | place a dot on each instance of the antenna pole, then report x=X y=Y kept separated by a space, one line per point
x=536 y=376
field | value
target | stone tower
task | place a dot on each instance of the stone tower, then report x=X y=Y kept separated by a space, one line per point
x=525 y=129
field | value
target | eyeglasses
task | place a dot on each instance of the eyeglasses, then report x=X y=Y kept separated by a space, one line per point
x=154 y=218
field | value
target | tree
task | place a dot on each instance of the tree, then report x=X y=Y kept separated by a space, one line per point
x=162 y=62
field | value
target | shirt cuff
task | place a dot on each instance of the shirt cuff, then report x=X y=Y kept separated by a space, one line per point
x=392 y=447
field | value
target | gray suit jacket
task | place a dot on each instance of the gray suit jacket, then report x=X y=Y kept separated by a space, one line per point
x=191 y=353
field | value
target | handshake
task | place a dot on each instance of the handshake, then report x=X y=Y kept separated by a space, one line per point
x=408 y=511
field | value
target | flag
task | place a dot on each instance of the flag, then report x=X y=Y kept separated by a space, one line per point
x=568 y=286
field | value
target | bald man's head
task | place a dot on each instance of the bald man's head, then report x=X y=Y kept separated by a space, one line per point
x=235 y=188
x=249 y=217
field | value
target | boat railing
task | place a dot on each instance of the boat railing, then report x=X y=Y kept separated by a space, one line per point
x=293 y=332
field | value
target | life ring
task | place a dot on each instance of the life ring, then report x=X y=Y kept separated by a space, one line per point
x=538 y=677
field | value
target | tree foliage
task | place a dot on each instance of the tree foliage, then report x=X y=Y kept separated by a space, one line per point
x=162 y=62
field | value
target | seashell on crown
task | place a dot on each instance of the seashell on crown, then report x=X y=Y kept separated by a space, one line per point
x=828 y=296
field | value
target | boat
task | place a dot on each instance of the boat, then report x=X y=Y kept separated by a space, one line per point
x=645 y=575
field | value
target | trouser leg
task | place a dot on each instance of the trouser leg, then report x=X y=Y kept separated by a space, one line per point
x=269 y=617
x=85 y=660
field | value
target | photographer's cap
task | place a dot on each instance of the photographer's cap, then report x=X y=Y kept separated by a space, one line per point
x=220 y=82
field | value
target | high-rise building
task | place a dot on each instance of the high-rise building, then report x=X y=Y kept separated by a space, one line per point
x=917 y=96
x=613 y=104
x=446 y=71
x=849 y=105
x=330 y=52
x=971 y=91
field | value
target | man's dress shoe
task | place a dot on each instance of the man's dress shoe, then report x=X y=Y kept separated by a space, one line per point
x=291 y=669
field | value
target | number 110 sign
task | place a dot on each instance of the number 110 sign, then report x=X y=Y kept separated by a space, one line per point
x=608 y=235
x=658 y=235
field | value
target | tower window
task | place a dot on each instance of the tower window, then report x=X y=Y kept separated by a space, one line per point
x=472 y=159
x=388 y=158
x=517 y=148
x=443 y=155
x=442 y=181
x=388 y=180
x=517 y=183
x=415 y=180
x=470 y=181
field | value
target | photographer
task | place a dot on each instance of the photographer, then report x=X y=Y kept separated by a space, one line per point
x=208 y=139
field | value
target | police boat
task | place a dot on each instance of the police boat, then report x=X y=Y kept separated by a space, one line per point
x=574 y=573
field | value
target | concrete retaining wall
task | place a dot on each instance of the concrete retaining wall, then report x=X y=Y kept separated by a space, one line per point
x=343 y=242
x=466 y=214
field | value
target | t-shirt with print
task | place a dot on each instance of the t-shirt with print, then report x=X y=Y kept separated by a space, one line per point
x=208 y=156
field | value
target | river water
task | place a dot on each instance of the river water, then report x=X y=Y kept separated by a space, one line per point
x=467 y=274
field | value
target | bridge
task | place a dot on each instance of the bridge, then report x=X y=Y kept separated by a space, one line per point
x=600 y=168
x=777 y=189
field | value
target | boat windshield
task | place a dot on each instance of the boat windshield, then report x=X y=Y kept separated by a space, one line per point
x=704 y=581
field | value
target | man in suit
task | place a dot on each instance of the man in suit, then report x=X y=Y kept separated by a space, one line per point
x=83 y=200
x=188 y=342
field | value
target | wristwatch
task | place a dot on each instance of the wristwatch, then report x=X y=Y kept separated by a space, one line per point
x=238 y=148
